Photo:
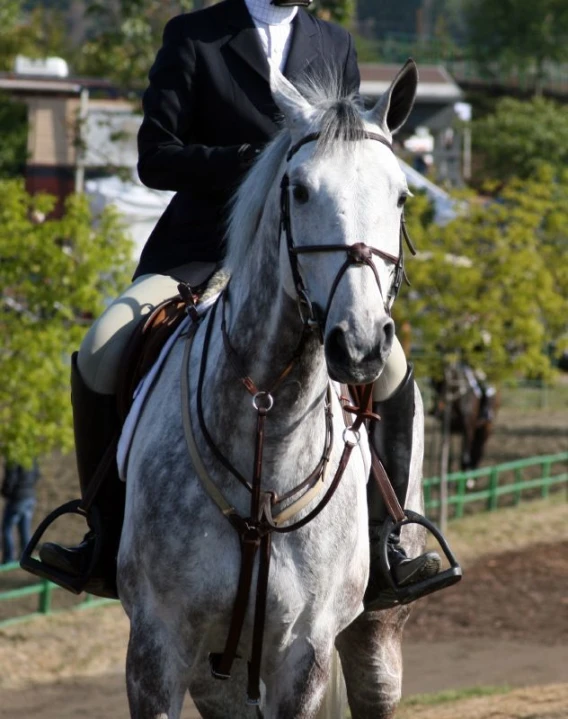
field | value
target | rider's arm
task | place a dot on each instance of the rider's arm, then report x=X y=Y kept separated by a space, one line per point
x=167 y=159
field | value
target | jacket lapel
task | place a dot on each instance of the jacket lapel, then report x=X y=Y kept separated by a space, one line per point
x=245 y=41
x=304 y=47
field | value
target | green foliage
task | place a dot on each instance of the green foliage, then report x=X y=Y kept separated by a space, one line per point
x=14 y=133
x=125 y=37
x=37 y=34
x=122 y=37
x=367 y=50
x=519 y=136
x=492 y=286
x=54 y=275
x=339 y=11
x=518 y=35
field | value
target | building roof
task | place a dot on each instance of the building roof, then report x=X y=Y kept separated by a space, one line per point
x=435 y=84
x=27 y=85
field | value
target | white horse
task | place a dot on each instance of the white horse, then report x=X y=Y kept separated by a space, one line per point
x=327 y=182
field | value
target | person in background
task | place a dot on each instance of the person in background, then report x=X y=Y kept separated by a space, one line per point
x=18 y=489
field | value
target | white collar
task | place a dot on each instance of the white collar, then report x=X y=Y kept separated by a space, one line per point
x=263 y=11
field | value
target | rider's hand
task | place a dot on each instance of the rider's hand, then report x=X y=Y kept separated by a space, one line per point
x=249 y=153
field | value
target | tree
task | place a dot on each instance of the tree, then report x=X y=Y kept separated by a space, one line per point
x=126 y=35
x=519 y=136
x=492 y=286
x=124 y=38
x=54 y=276
x=339 y=11
x=37 y=34
x=14 y=133
x=519 y=36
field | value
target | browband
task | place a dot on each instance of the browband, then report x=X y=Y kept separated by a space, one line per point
x=316 y=135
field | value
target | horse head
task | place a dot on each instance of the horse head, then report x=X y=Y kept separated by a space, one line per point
x=342 y=198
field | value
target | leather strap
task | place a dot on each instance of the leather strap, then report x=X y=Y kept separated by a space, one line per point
x=208 y=484
x=380 y=476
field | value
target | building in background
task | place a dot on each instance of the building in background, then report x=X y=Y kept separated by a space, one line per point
x=58 y=108
x=438 y=100
x=82 y=137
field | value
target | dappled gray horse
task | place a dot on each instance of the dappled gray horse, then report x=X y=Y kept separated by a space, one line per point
x=328 y=182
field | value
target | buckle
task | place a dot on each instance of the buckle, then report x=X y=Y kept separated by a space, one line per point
x=445 y=578
x=71 y=582
x=214 y=662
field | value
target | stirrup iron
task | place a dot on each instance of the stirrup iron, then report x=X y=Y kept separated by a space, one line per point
x=71 y=582
x=445 y=578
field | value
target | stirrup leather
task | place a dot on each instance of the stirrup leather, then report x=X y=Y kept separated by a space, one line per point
x=445 y=578
x=72 y=582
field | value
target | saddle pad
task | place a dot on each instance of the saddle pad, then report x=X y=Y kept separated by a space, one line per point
x=143 y=389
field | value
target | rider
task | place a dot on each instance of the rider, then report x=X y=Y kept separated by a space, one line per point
x=208 y=111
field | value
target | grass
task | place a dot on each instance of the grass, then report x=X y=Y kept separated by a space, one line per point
x=451 y=696
x=543 y=521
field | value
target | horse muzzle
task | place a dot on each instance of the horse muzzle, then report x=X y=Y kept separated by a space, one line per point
x=358 y=360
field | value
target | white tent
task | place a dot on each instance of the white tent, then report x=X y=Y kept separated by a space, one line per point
x=141 y=207
x=444 y=205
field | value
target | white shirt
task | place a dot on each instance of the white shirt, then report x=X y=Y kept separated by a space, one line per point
x=274 y=26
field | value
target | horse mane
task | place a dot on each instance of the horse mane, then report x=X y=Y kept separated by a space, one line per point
x=335 y=117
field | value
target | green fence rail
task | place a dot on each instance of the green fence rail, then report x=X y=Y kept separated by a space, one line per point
x=484 y=487
x=44 y=591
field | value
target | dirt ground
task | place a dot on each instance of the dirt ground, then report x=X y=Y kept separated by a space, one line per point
x=504 y=625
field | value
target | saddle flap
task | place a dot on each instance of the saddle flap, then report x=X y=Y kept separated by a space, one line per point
x=144 y=346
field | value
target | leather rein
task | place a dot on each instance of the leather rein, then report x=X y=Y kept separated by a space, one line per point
x=267 y=515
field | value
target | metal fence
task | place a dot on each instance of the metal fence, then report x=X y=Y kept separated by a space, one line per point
x=505 y=484
x=468 y=492
x=43 y=593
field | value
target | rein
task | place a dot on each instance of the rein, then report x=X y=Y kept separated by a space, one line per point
x=255 y=530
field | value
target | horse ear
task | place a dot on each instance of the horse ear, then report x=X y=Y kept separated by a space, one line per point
x=393 y=108
x=293 y=105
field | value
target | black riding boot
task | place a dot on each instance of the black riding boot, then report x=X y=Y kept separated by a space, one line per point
x=392 y=439
x=96 y=426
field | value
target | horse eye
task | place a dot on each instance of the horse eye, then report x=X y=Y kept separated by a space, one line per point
x=402 y=199
x=301 y=194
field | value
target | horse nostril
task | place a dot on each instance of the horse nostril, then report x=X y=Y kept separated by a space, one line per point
x=336 y=345
x=388 y=330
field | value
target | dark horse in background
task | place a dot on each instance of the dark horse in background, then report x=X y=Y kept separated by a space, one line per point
x=473 y=406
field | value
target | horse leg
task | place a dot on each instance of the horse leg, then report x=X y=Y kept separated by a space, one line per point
x=217 y=699
x=296 y=689
x=156 y=677
x=467 y=441
x=478 y=444
x=371 y=656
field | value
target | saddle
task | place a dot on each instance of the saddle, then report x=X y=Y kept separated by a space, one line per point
x=145 y=344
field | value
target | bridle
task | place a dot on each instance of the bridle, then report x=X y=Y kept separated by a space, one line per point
x=358 y=254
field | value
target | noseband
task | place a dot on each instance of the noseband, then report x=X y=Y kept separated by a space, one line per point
x=358 y=254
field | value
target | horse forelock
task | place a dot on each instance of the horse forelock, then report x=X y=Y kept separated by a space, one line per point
x=342 y=122
x=335 y=117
